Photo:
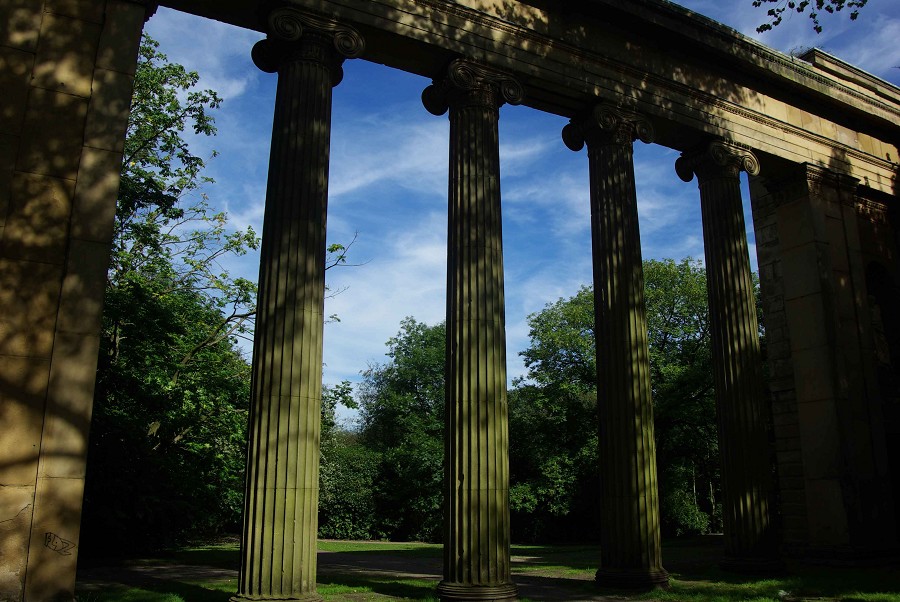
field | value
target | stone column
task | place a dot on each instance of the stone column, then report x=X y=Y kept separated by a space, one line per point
x=476 y=456
x=278 y=557
x=629 y=505
x=750 y=544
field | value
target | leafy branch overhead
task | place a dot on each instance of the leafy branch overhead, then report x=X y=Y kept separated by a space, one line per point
x=815 y=7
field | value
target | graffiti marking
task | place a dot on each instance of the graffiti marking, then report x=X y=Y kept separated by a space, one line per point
x=58 y=544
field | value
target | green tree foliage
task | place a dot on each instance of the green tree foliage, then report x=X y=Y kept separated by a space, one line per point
x=166 y=454
x=347 y=474
x=402 y=420
x=553 y=426
x=776 y=13
x=683 y=395
x=553 y=414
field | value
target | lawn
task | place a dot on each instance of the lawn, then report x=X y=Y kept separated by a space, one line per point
x=380 y=571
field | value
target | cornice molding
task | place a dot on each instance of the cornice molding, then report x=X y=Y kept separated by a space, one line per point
x=765 y=56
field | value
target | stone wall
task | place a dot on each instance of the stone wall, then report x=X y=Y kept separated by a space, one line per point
x=67 y=69
x=782 y=395
x=834 y=483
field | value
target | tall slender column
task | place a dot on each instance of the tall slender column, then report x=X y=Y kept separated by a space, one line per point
x=476 y=448
x=750 y=544
x=629 y=505
x=278 y=557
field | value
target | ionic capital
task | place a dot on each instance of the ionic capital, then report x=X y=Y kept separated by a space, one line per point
x=295 y=34
x=470 y=83
x=717 y=159
x=607 y=123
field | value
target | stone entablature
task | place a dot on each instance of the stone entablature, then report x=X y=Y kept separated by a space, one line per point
x=696 y=78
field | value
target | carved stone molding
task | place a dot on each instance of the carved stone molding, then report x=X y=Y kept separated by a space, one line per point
x=873 y=211
x=607 y=123
x=716 y=159
x=820 y=179
x=813 y=180
x=299 y=35
x=469 y=83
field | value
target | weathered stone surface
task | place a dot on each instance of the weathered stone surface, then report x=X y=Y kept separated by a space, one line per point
x=747 y=513
x=53 y=134
x=16 y=507
x=53 y=548
x=476 y=520
x=51 y=285
x=630 y=554
x=121 y=36
x=37 y=224
x=15 y=73
x=65 y=55
x=93 y=215
x=29 y=292
x=22 y=402
x=21 y=21
x=108 y=111
x=280 y=513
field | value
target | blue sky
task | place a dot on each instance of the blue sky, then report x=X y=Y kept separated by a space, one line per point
x=389 y=178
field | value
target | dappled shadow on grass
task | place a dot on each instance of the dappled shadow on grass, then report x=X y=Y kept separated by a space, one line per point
x=128 y=586
x=585 y=557
x=223 y=557
x=410 y=589
x=419 y=551
x=374 y=570
x=694 y=567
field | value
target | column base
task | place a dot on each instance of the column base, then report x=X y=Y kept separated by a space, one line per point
x=483 y=593
x=634 y=579
x=753 y=565
x=313 y=597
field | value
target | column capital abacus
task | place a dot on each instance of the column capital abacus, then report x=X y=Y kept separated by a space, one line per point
x=295 y=34
x=716 y=159
x=607 y=123
x=469 y=83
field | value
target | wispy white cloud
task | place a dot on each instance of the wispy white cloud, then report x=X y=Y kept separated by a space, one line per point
x=879 y=53
x=208 y=47
x=389 y=180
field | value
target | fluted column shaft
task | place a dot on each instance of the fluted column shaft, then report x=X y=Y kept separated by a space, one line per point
x=737 y=364
x=629 y=504
x=280 y=515
x=476 y=461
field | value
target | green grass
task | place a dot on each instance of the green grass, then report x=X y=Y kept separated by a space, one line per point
x=173 y=591
x=337 y=588
x=695 y=577
x=414 y=548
